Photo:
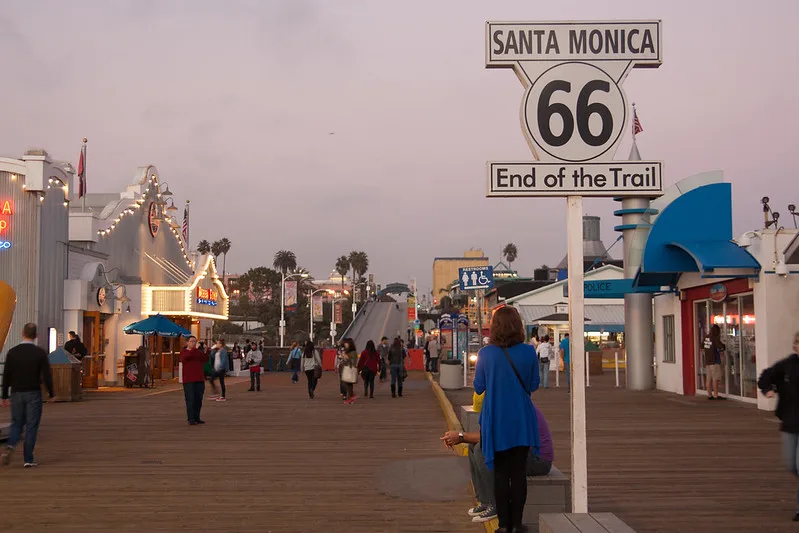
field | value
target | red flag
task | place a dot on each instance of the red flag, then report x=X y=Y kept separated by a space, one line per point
x=81 y=174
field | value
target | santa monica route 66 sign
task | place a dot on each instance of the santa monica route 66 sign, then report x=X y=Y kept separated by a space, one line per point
x=574 y=110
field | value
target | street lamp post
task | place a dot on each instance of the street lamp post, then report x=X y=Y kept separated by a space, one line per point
x=310 y=305
x=333 y=319
x=283 y=303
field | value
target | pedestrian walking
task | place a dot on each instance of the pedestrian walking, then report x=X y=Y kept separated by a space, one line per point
x=507 y=371
x=193 y=380
x=382 y=349
x=396 y=360
x=219 y=366
x=545 y=353
x=782 y=381
x=369 y=366
x=254 y=358
x=348 y=370
x=26 y=368
x=312 y=366
x=565 y=356
x=294 y=361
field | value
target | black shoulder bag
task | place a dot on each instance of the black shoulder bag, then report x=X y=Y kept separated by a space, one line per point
x=515 y=371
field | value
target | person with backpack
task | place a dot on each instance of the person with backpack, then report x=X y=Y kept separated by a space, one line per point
x=396 y=361
x=294 y=361
x=312 y=366
x=369 y=366
x=782 y=381
x=219 y=361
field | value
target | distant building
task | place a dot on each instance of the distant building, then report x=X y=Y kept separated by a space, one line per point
x=595 y=254
x=445 y=270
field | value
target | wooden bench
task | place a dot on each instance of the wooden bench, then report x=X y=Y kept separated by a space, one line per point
x=582 y=523
x=547 y=494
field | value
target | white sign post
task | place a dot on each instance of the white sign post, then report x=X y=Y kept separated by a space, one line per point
x=573 y=115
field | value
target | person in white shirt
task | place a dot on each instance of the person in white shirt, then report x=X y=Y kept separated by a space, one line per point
x=545 y=353
x=254 y=358
x=435 y=352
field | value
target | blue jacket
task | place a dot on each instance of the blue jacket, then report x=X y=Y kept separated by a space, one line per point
x=507 y=419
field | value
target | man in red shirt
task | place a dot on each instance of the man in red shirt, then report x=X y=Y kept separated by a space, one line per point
x=193 y=361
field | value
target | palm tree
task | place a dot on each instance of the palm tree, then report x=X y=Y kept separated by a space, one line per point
x=284 y=261
x=511 y=253
x=342 y=267
x=224 y=247
x=359 y=263
x=204 y=247
x=216 y=249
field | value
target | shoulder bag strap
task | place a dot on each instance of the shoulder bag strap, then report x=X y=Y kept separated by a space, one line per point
x=515 y=371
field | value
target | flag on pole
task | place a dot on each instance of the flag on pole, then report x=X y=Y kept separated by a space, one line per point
x=185 y=230
x=82 y=171
x=637 y=128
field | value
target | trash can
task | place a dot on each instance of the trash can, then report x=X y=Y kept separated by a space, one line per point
x=137 y=368
x=66 y=371
x=451 y=374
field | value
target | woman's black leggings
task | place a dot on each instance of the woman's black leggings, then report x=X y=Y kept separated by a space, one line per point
x=310 y=375
x=510 y=485
x=368 y=382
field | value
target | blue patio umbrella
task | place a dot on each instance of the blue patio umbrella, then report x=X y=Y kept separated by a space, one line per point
x=157 y=325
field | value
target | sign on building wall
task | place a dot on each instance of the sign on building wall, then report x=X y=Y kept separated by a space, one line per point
x=6 y=213
x=207 y=297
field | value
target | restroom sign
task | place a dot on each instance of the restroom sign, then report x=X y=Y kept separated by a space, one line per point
x=574 y=109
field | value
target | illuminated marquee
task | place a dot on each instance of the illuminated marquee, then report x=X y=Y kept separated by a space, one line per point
x=207 y=296
x=6 y=211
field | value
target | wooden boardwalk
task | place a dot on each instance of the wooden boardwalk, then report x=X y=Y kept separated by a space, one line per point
x=273 y=461
x=667 y=463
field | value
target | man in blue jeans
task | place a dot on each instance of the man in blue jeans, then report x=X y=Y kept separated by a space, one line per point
x=27 y=366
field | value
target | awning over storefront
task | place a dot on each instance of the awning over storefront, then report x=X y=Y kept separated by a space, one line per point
x=694 y=234
x=607 y=317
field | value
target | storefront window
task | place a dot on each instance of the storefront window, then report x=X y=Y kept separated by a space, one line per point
x=736 y=318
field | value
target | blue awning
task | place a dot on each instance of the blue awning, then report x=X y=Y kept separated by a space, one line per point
x=712 y=255
x=607 y=328
x=693 y=233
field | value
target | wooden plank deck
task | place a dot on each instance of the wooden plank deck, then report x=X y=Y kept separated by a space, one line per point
x=270 y=461
x=668 y=463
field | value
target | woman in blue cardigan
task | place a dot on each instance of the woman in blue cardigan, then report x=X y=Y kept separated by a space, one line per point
x=507 y=371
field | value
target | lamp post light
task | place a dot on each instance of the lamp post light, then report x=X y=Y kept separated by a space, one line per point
x=310 y=305
x=284 y=277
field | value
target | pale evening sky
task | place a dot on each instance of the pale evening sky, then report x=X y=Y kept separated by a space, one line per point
x=234 y=103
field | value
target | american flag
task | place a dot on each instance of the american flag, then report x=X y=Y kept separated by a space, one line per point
x=185 y=230
x=637 y=128
x=82 y=172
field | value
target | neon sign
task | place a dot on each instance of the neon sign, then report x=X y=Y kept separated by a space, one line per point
x=207 y=296
x=6 y=210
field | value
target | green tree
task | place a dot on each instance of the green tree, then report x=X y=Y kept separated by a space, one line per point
x=359 y=263
x=216 y=249
x=511 y=253
x=204 y=247
x=284 y=261
x=342 y=267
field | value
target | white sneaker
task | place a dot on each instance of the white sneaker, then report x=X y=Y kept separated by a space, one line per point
x=221 y=399
x=31 y=465
x=489 y=514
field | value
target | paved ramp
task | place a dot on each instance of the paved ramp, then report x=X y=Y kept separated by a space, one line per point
x=380 y=319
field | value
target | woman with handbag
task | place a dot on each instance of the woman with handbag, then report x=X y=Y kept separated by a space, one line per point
x=369 y=366
x=348 y=370
x=507 y=371
x=312 y=366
